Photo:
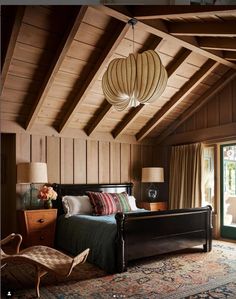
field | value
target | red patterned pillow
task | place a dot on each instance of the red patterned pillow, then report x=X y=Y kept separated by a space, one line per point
x=109 y=203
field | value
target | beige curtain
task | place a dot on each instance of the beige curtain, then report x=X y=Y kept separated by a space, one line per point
x=185 y=176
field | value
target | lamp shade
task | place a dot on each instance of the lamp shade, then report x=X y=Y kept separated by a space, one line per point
x=34 y=172
x=152 y=175
x=136 y=79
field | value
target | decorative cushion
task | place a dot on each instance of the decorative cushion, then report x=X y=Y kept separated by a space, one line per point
x=132 y=203
x=73 y=205
x=109 y=203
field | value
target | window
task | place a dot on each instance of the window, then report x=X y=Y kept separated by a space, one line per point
x=208 y=194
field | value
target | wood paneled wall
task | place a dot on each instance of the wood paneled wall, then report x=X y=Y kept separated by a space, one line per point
x=214 y=121
x=84 y=161
x=70 y=160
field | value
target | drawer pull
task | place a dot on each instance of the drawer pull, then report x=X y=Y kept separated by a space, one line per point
x=41 y=220
x=41 y=238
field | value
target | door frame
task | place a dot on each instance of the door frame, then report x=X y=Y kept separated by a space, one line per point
x=225 y=231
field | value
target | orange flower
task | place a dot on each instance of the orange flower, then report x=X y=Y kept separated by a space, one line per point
x=46 y=193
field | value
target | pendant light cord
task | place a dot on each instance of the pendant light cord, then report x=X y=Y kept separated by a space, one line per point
x=133 y=36
x=133 y=22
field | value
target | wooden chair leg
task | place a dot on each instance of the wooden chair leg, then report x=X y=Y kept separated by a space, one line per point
x=2 y=266
x=39 y=273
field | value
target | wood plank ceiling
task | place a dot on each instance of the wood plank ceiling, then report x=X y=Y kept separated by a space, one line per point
x=54 y=57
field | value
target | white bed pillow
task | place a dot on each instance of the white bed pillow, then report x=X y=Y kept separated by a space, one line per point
x=132 y=203
x=73 y=205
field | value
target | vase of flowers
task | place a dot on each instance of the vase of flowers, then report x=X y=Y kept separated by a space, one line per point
x=47 y=194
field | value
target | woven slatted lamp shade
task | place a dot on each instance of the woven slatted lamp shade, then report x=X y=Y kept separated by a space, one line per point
x=136 y=79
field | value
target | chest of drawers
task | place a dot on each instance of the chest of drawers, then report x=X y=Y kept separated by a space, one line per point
x=154 y=206
x=37 y=227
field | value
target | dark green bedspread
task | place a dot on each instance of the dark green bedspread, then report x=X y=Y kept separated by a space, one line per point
x=76 y=233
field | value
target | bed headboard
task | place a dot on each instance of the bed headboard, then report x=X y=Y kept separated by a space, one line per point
x=80 y=189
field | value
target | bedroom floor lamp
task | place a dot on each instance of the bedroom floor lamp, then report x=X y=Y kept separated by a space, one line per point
x=152 y=175
x=31 y=173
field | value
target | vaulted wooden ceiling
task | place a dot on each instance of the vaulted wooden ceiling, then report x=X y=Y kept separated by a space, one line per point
x=54 y=57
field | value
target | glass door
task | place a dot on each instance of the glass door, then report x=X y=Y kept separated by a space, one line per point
x=208 y=183
x=228 y=191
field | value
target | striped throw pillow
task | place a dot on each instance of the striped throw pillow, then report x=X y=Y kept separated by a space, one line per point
x=109 y=203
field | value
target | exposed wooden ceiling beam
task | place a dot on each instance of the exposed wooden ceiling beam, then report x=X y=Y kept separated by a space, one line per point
x=53 y=69
x=202 y=100
x=171 y=70
x=229 y=55
x=98 y=117
x=114 y=13
x=168 y=11
x=110 y=48
x=213 y=43
x=133 y=114
x=225 y=29
x=188 y=87
x=178 y=60
x=159 y=29
x=12 y=42
x=155 y=29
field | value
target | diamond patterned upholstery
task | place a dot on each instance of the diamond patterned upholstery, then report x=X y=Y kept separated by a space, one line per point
x=44 y=258
x=49 y=258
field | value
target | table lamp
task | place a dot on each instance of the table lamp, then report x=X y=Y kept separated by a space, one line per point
x=152 y=175
x=32 y=173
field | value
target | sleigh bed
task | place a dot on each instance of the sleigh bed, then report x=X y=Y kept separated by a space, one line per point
x=116 y=239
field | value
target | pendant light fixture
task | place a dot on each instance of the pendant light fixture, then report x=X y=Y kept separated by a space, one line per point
x=139 y=78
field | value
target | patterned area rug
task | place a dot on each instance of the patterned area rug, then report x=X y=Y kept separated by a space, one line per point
x=186 y=274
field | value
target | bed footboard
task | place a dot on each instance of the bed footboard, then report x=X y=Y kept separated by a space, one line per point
x=152 y=233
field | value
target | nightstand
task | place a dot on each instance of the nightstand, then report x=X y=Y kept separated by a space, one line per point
x=37 y=226
x=154 y=206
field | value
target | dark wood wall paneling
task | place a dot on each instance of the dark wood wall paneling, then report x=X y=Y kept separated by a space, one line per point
x=8 y=184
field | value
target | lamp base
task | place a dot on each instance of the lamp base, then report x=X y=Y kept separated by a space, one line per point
x=152 y=193
x=31 y=200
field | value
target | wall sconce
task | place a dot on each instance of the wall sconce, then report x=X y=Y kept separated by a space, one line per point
x=152 y=175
